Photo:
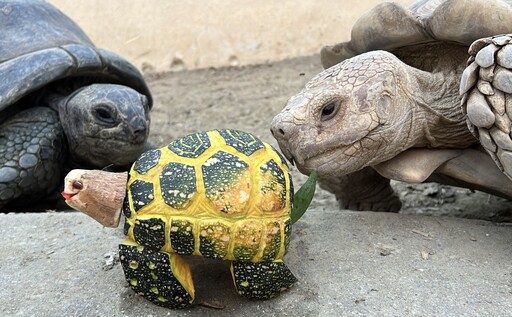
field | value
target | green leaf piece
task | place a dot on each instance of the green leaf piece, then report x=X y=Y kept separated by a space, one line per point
x=303 y=197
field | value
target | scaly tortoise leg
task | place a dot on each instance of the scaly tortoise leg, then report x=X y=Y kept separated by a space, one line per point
x=261 y=280
x=486 y=89
x=363 y=190
x=162 y=278
x=32 y=153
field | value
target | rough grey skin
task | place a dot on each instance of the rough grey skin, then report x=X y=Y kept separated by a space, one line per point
x=389 y=106
x=63 y=103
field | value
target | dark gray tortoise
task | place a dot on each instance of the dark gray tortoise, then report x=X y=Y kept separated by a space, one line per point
x=63 y=102
x=388 y=105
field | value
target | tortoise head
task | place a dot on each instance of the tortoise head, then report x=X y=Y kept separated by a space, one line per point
x=98 y=194
x=105 y=124
x=347 y=117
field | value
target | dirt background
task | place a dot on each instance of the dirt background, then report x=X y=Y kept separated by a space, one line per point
x=197 y=60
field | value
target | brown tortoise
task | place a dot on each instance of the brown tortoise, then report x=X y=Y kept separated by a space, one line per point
x=388 y=105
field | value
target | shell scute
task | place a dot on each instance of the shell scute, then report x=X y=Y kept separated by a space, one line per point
x=227 y=182
x=147 y=161
x=150 y=232
x=214 y=239
x=272 y=241
x=191 y=146
x=142 y=193
x=272 y=187
x=182 y=236
x=247 y=240
x=242 y=141
x=178 y=184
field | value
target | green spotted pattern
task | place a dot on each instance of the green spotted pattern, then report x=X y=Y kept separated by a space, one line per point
x=261 y=280
x=178 y=184
x=247 y=241
x=147 y=161
x=150 y=232
x=277 y=179
x=242 y=141
x=214 y=240
x=273 y=244
x=182 y=236
x=126 y=207
x=220 y=172
x=142 y=193
x=150 y=275
x=287 y=233
x=191 y=146
x=283 y=160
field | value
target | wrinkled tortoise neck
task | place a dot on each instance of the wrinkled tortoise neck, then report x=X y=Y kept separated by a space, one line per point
x=437 y=116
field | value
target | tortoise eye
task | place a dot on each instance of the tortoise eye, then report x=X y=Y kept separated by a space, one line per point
x=329 y=110
x=77 y=185
x=105 y=114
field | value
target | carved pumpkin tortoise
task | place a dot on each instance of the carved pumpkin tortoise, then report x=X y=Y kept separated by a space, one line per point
x=221 y=194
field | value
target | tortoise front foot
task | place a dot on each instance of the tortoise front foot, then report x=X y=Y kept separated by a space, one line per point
x=486 y=89
x=162 y=278
x=31 y=156
x=387 y=204
x=261 y=280
x=364 y=190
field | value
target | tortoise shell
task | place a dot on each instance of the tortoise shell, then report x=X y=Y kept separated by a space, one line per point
x=390 y=26
x=220 y=194
x=40 y=45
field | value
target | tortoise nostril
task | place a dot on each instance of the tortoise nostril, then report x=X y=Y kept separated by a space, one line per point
x=139 y=128
x=139 y=134
x=277 y=131
x=282 y=126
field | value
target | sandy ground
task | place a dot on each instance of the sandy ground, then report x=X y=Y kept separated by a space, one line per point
x=347 y=263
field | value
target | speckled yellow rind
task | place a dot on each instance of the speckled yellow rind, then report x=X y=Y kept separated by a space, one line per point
x=217 y=200
x=261 y=280
x=162 y=278
x=221 y=194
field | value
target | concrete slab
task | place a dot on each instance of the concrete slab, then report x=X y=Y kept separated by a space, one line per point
x=347 y=263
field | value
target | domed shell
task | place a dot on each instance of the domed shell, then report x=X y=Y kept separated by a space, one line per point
x=40 y=45
x=220 y=194
x=390 y=25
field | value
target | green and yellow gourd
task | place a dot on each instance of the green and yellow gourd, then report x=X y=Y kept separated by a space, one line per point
x=221 y=194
